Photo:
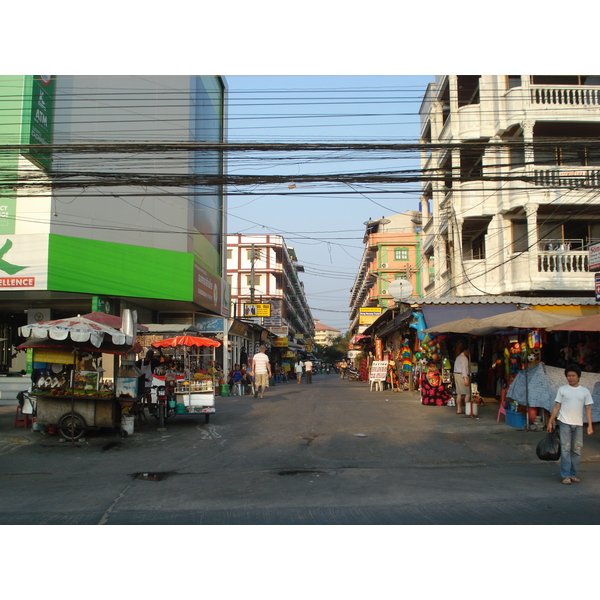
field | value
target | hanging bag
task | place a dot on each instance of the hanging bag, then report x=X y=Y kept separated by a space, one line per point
x=548 y=447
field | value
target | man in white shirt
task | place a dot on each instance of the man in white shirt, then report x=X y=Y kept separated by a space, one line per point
x=261 y=368
x=569 y=404
x=462 y=381
x=308 y=370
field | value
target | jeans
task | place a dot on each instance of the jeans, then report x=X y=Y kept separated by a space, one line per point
x=571 y=441
x=308 y=376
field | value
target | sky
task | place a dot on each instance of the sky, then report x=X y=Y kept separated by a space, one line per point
x=323 y=222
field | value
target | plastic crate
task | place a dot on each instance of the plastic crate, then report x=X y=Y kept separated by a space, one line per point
x=515 y=419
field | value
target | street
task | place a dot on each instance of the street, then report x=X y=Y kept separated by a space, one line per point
x=330 y=453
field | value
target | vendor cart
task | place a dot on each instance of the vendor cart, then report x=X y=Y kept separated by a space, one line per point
x=191 y=391
x=67 y=394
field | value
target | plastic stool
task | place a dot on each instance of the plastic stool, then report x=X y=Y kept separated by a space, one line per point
x=21 y=419
x=377 y=384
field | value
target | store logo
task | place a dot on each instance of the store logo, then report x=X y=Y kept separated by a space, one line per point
x=5 y=265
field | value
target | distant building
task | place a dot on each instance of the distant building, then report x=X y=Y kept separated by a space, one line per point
x=392 y=251
x=324 y=335
x=263 y=273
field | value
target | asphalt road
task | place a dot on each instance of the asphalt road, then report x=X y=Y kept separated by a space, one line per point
x=328 y=453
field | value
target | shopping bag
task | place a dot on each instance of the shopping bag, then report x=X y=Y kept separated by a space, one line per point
x=548 y=448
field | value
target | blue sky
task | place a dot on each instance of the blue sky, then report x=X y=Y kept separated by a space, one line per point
x=326 y=230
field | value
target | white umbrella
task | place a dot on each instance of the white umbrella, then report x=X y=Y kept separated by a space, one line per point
x=78 y=329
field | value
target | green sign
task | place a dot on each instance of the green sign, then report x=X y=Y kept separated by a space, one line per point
x=38 y=118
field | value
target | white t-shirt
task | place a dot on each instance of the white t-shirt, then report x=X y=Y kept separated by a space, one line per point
x=308 y=365
x=298 y=367
x=572 y=400
x=260 y=361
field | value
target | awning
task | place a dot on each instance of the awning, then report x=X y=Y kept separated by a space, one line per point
x=396 y=324
x=436 y=315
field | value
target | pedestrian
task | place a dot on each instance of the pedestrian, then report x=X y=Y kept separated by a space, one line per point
x=343 y=369
x=261 y=367
x=308 y=370
x=462 y=380
x=147 y=366
x=570 y=401
x=298 y=370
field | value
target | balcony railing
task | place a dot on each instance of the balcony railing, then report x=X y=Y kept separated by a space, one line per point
x=563 y=262
x=571 y=177
x=566 y=96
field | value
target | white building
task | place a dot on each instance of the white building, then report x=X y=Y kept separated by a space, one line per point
x=263 y=274
x=324 y=334
x=510 y=200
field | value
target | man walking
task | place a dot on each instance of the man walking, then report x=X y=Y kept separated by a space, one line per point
x=308 y=370
x=569 y=403
x=462 y=381
x=261 y=368
x=298 y=370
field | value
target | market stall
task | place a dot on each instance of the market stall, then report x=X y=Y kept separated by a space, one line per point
x=68 y=389
x=192 y=377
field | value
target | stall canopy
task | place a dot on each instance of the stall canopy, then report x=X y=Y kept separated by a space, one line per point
x=591 y=323
x=443 y=313
x=467 y=325
x=111 y=320
x=186 y=341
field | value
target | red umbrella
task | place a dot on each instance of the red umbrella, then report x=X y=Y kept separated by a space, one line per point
x=186 y=341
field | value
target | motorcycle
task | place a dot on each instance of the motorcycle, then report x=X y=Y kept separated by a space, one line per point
x=352 y=374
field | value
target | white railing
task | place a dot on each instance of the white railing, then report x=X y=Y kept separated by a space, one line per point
x=566 y=96
x=563 y=262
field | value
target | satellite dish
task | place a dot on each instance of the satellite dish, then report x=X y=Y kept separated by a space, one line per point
x=400 y=288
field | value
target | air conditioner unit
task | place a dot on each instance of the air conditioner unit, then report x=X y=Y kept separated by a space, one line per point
x=384 y=265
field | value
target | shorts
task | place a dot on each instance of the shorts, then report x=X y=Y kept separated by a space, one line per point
x=459 y=383
x=261 y=380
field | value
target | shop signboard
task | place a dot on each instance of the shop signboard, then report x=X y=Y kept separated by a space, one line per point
x=207 y=289
x=212 y=324
x=597 y=281
x=280 y=342
x=100 y=304
x=368 y=315
x=595 y=257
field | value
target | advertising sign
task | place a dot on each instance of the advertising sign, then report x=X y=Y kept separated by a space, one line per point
x=38 y=126
x=207 y=289
x=23 y=262
x=378 y=370
x=257 y=310
x=595 y=258
x=280 y=342
x=597 y=281
x=213 y=324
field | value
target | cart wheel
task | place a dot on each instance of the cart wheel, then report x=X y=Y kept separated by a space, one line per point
x=72 y=426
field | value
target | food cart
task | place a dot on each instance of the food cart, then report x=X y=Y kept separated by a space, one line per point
x=191 y=385
x=68 y=390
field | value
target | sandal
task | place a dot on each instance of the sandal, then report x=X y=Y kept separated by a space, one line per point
x=575 y=479
x=462 y=412
x=567 y=481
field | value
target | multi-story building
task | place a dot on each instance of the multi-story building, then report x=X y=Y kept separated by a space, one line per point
x=266 y=288
x=392 y=251
x=116 y=206
x=324 y=334
x=511 y=169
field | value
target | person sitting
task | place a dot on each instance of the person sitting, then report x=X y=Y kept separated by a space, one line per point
x=237 y=381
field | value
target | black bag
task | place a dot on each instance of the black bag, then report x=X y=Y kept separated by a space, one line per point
x=548 y=448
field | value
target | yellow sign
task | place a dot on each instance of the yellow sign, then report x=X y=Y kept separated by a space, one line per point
x=48 y=355
x=280 y=342
x=257 y=310
x=368 y=315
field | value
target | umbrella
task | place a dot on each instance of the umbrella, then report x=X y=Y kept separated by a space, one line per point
x=186 y=341
x=106 y=348
x=110 y=320
x=78 y=329
x=525 y=319
x=466 y=325
x=589 y=323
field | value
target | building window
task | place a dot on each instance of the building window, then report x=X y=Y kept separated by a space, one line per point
x=251 y=283
x=400 y=253
x=468 y=89
x=514 y=81
x=229 y=254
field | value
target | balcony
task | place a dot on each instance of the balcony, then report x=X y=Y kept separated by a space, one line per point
x=565 y=96
x=563 y=262
x=569 y=177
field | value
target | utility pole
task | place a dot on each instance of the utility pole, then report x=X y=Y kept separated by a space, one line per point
x=252 y=259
